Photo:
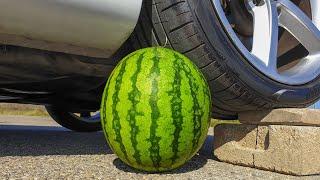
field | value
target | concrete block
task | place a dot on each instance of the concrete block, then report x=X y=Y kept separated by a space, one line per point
x=293 y=150
x=286 y=116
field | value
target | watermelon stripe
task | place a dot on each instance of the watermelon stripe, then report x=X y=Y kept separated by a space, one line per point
x=166 y=128
x=116 y=119
x=197 y=112
x=134 y=97
x=176 y=106
x=155 y=114
x=105 y=93
x=103 y=108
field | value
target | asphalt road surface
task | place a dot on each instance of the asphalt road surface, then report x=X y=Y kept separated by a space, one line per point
x=37 y=148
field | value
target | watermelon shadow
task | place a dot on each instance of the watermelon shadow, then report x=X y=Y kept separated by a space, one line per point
x=197 y=162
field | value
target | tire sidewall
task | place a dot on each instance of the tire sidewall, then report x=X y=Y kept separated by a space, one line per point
x=226 y=52
x=67 y=120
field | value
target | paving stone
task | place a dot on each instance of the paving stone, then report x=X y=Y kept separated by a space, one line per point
x=290 y=150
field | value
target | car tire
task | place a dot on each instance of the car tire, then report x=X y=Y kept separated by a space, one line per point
x=73 y=122
x=193 y=28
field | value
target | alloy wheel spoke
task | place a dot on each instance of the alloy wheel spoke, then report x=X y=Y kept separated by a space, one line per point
x=315 y=10
x=268 y=16
x=295 y=21
x=265 y=36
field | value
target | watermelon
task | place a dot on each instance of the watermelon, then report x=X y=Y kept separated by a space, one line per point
x=155 y=109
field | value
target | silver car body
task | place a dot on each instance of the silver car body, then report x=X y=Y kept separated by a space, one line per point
x=94 y=28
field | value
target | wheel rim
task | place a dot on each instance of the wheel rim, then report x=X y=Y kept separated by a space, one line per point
x=88 y=117
x=269 y=17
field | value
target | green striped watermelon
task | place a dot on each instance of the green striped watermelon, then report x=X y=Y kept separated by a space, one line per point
x=155 y=109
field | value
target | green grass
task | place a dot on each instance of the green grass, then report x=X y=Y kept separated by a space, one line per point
x=215 y=122
x=32 y=110
x=22 y=110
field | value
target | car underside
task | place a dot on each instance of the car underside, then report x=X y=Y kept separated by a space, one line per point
x=61 y=52
x=255 y=54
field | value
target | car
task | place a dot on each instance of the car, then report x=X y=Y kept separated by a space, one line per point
x=255 y=54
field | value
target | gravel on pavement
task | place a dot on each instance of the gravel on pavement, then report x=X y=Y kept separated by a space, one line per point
x=32 y=150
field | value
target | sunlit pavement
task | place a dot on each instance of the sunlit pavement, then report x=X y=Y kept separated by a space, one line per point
x=33 y=147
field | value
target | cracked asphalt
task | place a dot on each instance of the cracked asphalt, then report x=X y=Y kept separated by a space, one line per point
x=37 y=148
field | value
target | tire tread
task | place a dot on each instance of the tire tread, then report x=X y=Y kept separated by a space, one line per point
x=173 y=26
